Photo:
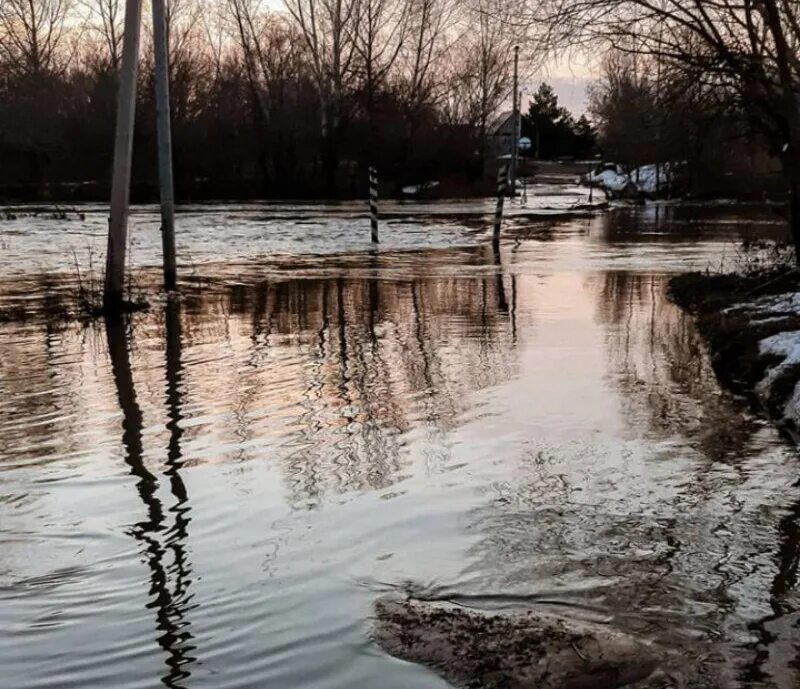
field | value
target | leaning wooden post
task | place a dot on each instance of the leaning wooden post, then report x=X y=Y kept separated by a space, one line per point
x=123 y=153
x=502 y=183
x=167 y=194
x=373 y=203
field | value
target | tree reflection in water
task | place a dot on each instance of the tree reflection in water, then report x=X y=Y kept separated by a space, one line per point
x=681 y=396
x=669 y=509
x=660 y=365
x=352 y=365
x=666 y=375
x=665 y=531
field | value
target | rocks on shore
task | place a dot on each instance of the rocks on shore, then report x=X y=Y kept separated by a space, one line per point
x=524 y=650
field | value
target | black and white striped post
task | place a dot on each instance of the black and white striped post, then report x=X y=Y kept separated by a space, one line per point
x=502 y=183
x=373 y=203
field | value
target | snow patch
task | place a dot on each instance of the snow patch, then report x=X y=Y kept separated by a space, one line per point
x=792 y=408
x=415 y=189
x=647 y=179
x=651 y=178
x=776 y=311
x=772 y=306
x=786 y=345
x=611 y=180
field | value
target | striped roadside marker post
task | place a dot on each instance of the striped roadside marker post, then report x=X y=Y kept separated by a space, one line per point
x=502 y=181
x=373 y=203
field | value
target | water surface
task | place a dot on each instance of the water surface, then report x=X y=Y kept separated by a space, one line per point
x=213 y=493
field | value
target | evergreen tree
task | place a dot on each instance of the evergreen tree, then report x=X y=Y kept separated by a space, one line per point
x=554 y=130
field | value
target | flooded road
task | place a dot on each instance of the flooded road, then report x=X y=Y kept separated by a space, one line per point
x=213 y=493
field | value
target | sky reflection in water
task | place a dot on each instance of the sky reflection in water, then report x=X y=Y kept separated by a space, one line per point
x=212 y=494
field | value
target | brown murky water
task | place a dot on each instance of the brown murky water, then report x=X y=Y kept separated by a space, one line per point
x=213 y=493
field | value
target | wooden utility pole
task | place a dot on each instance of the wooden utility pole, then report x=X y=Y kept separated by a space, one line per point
x=515 y=134
x=167 y=194
x=123 y=152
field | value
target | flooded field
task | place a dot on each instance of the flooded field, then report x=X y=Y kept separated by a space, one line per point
x=213 y=493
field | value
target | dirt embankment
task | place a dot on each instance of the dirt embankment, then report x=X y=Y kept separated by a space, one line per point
x=523 y=650
x=752 y=327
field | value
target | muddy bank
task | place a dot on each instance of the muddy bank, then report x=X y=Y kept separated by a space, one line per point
x=524 y=650
x=751 y=324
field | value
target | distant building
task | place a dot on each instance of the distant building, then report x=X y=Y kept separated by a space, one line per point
x=502 y=133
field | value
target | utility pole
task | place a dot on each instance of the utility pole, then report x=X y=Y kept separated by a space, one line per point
x=502 y=182
x=123 y=152
x=167 y=194
x=515 y=118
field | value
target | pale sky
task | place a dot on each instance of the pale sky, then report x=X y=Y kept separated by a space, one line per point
x=571 y=91
x=569 y=75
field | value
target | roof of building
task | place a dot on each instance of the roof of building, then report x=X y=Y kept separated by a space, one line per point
x=501 y=120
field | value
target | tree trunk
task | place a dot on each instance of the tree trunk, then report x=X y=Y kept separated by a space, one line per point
x=330 y=153
x=260 y=125
x=330 y=164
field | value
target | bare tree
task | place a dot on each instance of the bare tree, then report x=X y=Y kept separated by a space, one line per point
x=213 y=26
x=748 y=48
x=189 y=65
x=262 y=100
x=623 y=104
x=328 y=28
x=265 y=43
x=428 y=41
x=488 y=45
x=32 y=33
x=380 y=33
x=184 y=29
x=105 y=21
x=271 y=50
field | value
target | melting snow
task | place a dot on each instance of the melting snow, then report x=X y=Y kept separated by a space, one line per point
x=786 y=345
x=415 y=189
x=647 y=179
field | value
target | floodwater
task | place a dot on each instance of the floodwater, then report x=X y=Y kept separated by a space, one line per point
x=213 y=493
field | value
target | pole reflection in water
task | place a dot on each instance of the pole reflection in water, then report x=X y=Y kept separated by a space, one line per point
x=502 y=301
x=344 y=367
x=169 y=584
x=538 y=425
x=374 y=305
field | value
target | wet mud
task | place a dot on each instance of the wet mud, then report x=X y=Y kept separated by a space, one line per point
x=521 y=650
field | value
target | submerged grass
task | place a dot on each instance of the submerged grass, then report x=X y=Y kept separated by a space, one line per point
x=89 y=299
x=68 y=298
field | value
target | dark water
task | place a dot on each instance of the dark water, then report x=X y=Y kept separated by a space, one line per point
x=213 y=493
